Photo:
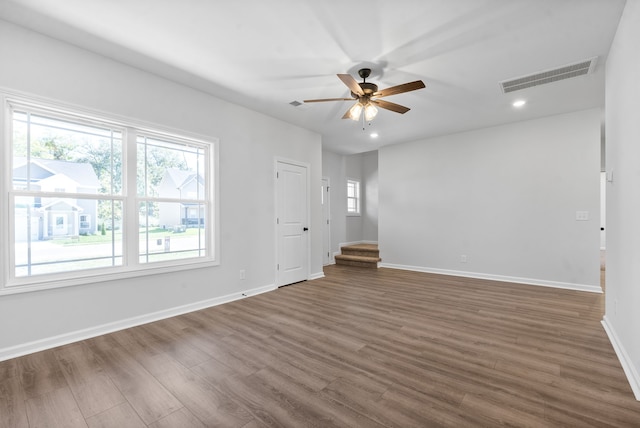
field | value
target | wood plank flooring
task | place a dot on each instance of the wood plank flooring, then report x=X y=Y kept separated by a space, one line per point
x=358 y=348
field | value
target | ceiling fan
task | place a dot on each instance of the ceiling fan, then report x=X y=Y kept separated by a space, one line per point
x=368 y=96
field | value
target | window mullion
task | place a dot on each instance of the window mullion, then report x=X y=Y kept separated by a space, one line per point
x=6 y=163
x=130 y=209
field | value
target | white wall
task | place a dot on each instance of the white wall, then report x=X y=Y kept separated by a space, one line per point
x=333 y=167
x=505 y=197
x=353 y=170
x=370 y=195
x=622 y=313
x=249 y=143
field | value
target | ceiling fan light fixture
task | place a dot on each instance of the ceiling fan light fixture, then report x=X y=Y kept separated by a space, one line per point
x=370 y=111
x=354 y=112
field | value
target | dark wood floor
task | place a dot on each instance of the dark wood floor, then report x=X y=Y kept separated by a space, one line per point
x=357 y=348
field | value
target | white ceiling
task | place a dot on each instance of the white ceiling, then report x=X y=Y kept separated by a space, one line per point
x=265 y=54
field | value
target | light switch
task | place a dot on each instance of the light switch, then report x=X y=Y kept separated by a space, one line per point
x=582 y=215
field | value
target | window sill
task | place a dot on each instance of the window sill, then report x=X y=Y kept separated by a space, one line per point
x=28 y=285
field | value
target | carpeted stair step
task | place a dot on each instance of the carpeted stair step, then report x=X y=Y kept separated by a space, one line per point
x=364 y=250
x=359 y=261
x=361 y=255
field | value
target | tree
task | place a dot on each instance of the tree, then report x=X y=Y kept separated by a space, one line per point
x=50 y=147
x=57 y=148
x=105 y=156
x=158 y=160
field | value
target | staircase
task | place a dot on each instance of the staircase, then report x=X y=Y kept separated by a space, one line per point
x=360 y=255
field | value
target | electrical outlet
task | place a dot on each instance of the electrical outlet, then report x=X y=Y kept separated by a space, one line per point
x=242 y=274
x=463 y=258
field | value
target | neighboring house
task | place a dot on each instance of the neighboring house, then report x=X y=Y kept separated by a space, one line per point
x=56 y=217
x=181 y=185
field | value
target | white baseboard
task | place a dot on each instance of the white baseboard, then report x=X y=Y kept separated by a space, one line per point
x=514 y=279
x=623 y=357
x=76 y=336
x=344 y=244
x=316 y=275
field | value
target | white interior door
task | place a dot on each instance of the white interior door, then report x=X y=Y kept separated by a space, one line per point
x=326 y=223
x=292 y=223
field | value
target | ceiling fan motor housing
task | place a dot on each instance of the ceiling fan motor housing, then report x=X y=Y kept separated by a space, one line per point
x=367 y=88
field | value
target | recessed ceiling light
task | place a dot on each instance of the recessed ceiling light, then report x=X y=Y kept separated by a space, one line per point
x=374 y=135
x=519 y=103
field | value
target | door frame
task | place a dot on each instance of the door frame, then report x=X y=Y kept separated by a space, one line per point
x=326 y=225
x=277 y=161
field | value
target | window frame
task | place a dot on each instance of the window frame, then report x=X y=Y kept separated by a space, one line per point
x=131 y=267
x=357 y=198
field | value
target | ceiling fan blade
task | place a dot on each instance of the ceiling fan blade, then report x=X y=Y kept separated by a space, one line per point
x=391 y=106
x=328 y=99
x=351 y=83
x=405 y=87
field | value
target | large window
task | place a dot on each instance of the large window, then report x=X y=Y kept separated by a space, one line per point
x=92 y=196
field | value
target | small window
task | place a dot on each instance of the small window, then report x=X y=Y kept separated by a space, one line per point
x=85 y=223
x=353 y=197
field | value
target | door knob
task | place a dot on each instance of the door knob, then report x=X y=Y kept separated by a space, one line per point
x=304 y=229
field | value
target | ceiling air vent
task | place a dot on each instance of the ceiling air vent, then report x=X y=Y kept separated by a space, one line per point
x=549 y=76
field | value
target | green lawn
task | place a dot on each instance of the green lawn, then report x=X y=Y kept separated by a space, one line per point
x=98 y=238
